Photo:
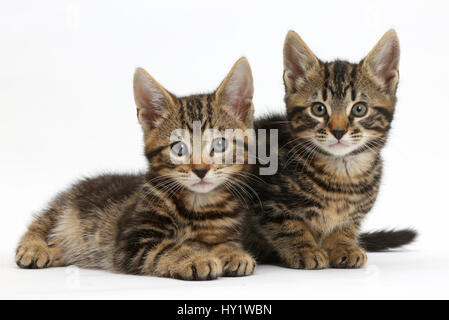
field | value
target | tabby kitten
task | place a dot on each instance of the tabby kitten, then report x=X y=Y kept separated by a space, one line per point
x=179 y=220
x=338 y=118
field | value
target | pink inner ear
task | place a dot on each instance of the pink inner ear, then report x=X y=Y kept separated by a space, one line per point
x=241 y=108
x=241 y=102
x=149 y=98
x=236 y=91
x=389 y=64
x=148 y=106
x=293 y=63
x=150 y=115
x=383 y=60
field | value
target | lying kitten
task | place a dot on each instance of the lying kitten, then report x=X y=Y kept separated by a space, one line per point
x=179 y=220
x=338 y=119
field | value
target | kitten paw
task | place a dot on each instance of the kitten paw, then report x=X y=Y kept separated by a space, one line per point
x=198 y=268
x=238 y=264
x=347 y=257
x=37 y=255
x=310 y=259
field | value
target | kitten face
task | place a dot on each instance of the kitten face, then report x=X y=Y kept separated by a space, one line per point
x=176 y=158
x=341 y=108
x=169 y=134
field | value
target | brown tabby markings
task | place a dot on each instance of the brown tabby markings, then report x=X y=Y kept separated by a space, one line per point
x=152 y=224
x=313 y=207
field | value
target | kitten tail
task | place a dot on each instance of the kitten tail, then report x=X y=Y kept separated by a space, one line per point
x=383 y=240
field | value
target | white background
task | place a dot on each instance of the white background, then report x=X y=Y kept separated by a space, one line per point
x=67 y=110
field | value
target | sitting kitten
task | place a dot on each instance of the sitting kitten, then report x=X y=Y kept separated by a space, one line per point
x=179 y=220
x=338 y=119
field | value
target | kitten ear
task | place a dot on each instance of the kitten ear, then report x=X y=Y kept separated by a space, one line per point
x=298 y=60
x=382 y=63
x=150 y=97
x=236 y=91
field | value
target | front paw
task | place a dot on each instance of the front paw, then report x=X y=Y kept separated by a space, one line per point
x=37 y=255
x=310 y=259
x=347 y=257
x=238 y=264
x=198 y=267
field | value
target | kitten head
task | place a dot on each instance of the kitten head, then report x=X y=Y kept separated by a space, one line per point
x=169 y=124
x=338 y=107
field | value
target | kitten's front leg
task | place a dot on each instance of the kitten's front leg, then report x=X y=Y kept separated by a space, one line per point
x=36 y=249
x=170 y=259
x=343 y=249
x=236 y=262
x=153 y=248
x=296 y=245
x=177 y=260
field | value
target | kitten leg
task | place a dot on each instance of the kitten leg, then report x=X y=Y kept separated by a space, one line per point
x=182 y=262
x=236 y=262
x=149 y=243
x=166 y=257
x=296 y=245
x=343 y=249
x=33 y=250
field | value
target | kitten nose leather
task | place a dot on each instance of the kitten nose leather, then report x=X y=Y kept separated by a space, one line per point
x=201 y=173
x=338 y=133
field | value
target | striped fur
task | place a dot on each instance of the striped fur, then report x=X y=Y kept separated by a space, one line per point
x=313 y=207
x=154 y=224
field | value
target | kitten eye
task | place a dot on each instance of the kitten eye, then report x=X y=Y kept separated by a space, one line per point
x=319 y=110
x=219 y=145
x=179 y=149
x=359 y=110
